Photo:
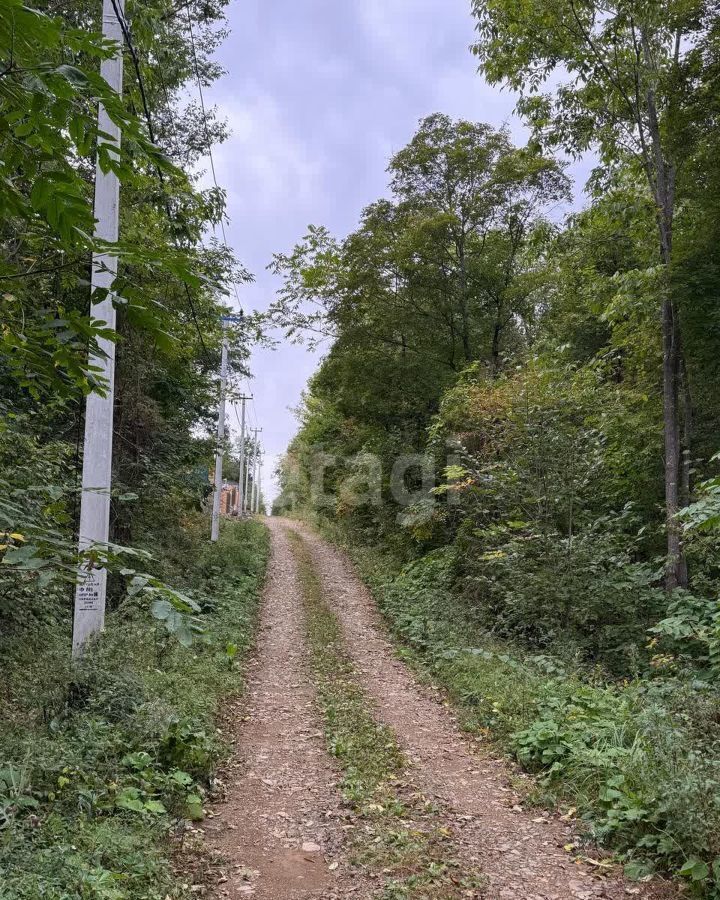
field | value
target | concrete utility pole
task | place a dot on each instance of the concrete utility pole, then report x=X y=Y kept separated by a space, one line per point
x=257 y=501
x=97 y=456
x=254 y=495
x=246 y=505
x=217 y=495
x=241 y=474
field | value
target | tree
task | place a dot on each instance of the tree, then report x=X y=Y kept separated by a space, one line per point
x=633 y=67
x=486 y=196
x=169 y=285
x=435 y=270
x=449 y=270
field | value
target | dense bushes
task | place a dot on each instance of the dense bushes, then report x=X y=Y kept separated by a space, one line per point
x=639 y=759
x=99 y=762
x=597 y=602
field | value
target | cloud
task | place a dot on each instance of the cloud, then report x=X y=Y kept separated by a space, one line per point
x=411 y=35
x=265 y=160
x=319 y=95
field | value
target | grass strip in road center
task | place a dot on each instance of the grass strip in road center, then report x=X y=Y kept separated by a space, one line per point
x=400 y=837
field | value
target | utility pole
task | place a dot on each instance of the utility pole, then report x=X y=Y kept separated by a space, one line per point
x=217 y=495
x=254 y=494
x=257 y=501
x=241 y=475
x=258 y=485
x=94 y=528
x=246 y=505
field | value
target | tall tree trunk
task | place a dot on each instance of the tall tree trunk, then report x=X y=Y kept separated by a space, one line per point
x=661 y=177
x=687 y=429
x=676 y=574
x=464 y=311
x=496 y=349
x=686 y=464
x=497 y=333
x=674 y=565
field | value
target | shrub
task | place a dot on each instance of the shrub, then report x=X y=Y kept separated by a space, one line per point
x=100 y=762
x=639 y=759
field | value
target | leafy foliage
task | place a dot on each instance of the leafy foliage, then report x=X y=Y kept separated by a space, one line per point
x=558 y=566
x=111 y=757
x=101 y=763
x=635 y=759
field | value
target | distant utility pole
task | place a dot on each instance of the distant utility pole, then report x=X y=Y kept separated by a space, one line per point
x=256 y=486
x=97 y=456
x=217 y=495
x=246 y=505
x=257 y=501
x=241 y=474
x=254 y=494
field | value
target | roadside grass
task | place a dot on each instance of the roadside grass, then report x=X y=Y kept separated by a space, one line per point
x=637 y=761
x=400 y=837
x=103 y=764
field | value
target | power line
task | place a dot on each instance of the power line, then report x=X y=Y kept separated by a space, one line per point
x=143 y=94
x=148 y=118
x=196 y=68
x=211 y=158
x=253 y=410
x=207 y=131
x=136 y=65
x=237 y=414
x=249 y=387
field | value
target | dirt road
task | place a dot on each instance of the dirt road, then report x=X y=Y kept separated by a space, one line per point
x=281 y=825
x=284 y=828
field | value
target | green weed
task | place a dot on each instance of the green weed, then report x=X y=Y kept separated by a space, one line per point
x=638 y=759
x=101 y=762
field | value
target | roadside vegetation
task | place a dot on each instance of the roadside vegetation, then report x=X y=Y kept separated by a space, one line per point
x=635 y=759
x=515 y=426
x=104 y=764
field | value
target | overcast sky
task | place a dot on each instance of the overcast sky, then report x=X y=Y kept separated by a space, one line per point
x=318 y=95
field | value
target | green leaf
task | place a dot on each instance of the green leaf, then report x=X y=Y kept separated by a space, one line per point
x=695 y=869
x=15 y=556
x=638 y=869
x=182 y=778
x=161 y=609
x=137 y=584
x=184 y=635
x=129 y=798
x=75 y=76
x=140 y=760
x=154 y=806
x=194 y=808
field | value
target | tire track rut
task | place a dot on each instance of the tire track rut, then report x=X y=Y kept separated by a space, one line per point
x=281 y=824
